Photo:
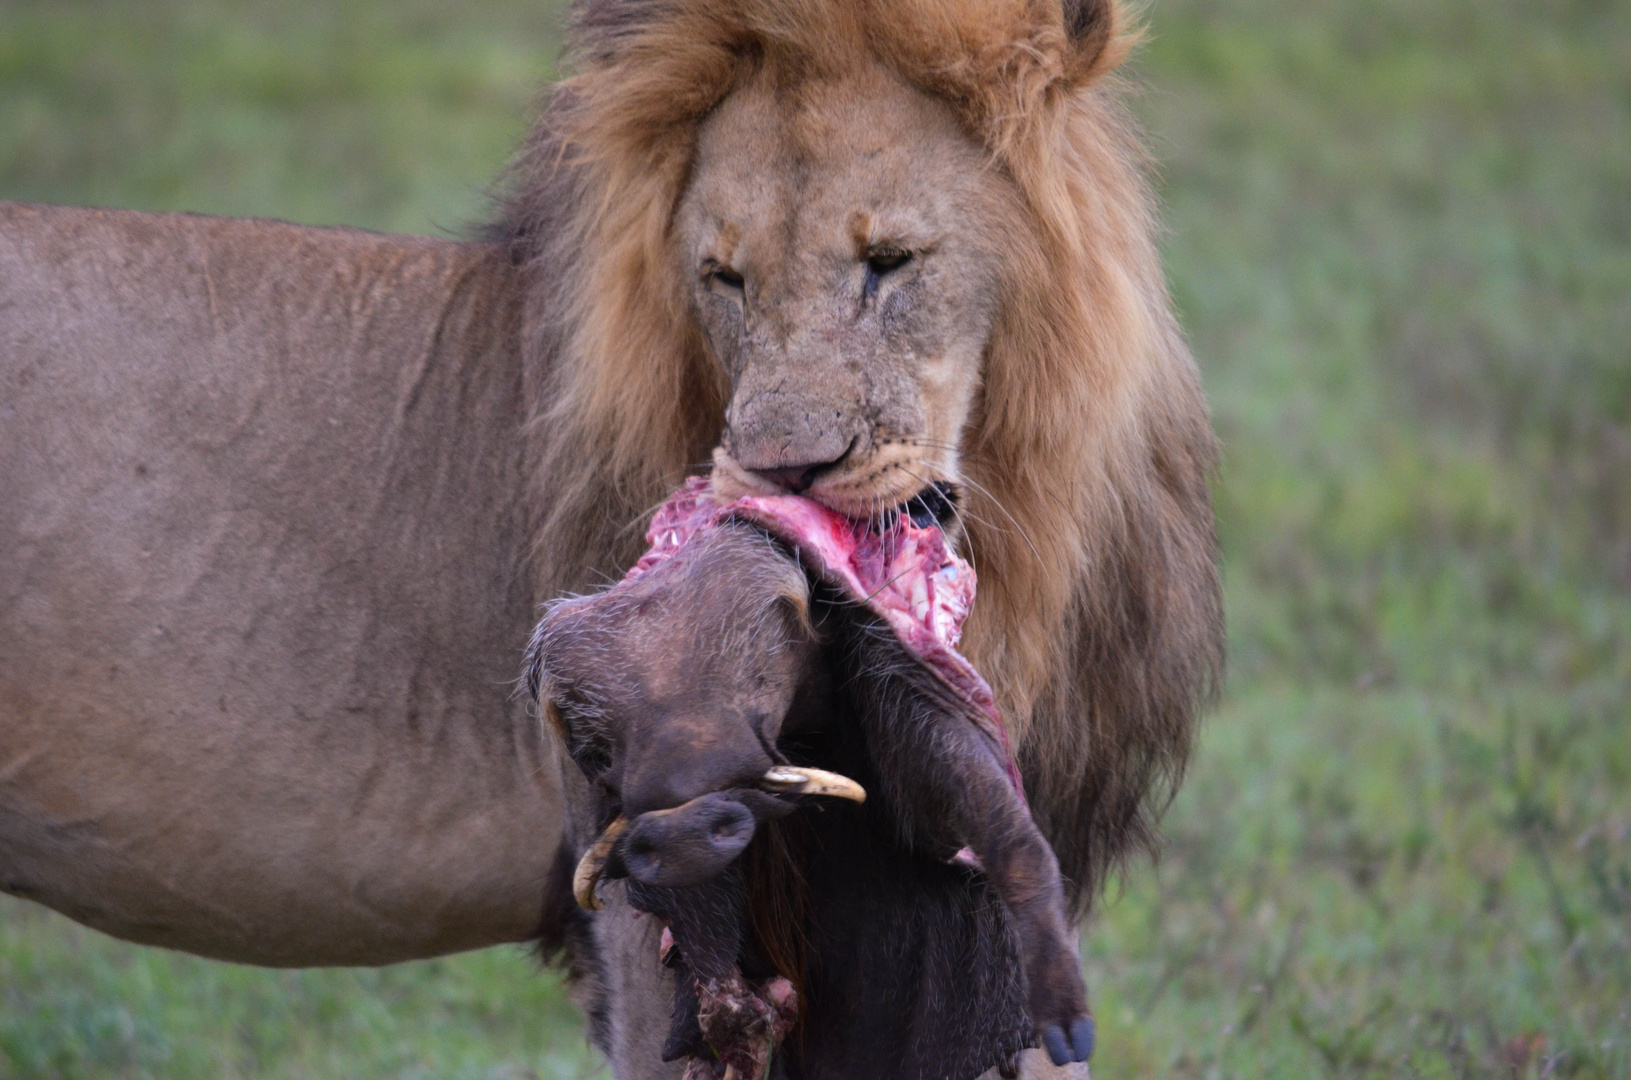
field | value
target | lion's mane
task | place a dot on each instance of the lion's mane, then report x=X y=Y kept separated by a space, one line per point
x=1099 y=621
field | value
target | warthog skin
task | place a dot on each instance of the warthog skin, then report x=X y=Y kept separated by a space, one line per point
x=676 y=692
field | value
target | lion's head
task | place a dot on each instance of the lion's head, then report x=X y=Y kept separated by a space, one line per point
x=859 y=247
x=849 y=301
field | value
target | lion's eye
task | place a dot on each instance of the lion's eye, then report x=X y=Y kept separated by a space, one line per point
x=881 y=262
x=726 y=278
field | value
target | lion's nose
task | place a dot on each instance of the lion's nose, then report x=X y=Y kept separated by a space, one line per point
x=795 y=478
x=798 y=478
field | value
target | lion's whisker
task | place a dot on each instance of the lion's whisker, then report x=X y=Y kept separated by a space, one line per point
x=962 y=517
x=965 y=479
x=1018 y=528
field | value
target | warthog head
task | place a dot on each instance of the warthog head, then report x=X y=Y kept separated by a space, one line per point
x=720 y=690
x=672 y=693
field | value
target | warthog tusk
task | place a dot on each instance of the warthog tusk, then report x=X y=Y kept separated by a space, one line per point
x=782 y=779
x=593 y=864
x=798 y=780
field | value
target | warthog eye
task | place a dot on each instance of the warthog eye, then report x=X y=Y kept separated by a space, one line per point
x=592 y=757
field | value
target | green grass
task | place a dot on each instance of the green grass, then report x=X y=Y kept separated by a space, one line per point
x=1401 y=242
x=76 y=1004
x=389 y=115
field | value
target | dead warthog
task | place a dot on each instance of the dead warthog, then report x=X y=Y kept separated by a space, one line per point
x=913 y=926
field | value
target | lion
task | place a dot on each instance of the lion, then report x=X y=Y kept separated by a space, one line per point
x=281 y=502
x=953 y=278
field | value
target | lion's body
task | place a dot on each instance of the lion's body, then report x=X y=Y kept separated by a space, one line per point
x=260 y=589
x=255 y=701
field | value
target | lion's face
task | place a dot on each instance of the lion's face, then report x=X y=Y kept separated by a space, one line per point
x=845 y=245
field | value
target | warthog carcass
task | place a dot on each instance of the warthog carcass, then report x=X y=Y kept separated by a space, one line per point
x=918 y=932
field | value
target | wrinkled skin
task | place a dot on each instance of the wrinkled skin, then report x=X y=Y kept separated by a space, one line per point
x=676 y=691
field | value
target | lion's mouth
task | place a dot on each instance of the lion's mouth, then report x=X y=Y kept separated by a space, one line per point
x=935 y=505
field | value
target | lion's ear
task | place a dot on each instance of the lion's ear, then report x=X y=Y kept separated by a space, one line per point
x=1097 y=44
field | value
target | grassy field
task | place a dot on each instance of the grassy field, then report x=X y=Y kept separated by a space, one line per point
x=1401 y=242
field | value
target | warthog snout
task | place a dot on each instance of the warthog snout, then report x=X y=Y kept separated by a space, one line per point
x=689 y=844
x=692 y=842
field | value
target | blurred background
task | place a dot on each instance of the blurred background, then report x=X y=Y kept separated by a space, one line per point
x=1400 y=239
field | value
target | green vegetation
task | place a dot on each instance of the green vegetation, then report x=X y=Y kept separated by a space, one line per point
x=388 y=114
x=1401 y=242
x=74 y=1004
x=1402 y=245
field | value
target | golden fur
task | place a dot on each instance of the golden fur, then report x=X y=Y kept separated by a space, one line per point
x=1088 y=450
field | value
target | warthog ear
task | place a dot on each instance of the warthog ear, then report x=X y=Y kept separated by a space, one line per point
x=532 y=664
x=536 y=680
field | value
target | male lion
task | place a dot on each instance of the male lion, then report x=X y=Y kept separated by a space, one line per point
x=277 y=504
